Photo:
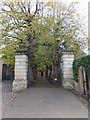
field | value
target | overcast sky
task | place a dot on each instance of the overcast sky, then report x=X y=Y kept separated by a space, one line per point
x=82 y=7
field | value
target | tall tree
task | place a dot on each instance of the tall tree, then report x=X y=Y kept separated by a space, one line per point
x=17 y=26
x=44 y=30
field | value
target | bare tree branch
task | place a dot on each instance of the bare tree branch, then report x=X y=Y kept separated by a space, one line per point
x=15 y=37
x=20 y=7
x=29 y=7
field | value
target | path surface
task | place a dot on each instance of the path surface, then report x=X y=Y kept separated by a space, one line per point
x=7 y=95
x=46 y=103
x=0 y=100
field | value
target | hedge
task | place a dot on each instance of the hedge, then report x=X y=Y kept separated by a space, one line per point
x=84 y=62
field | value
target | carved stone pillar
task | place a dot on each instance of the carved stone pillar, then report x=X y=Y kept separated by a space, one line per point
x=67 y=68
x=1 y=65
x=21 y=67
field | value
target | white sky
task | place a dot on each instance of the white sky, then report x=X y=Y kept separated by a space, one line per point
x=82 y=8
x=83 y=11
x=83 y=4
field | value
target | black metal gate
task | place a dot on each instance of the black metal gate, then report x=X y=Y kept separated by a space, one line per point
x=6 y=73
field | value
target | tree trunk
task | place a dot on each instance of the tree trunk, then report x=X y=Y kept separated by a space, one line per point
x=30 y=68
x=50 y=74
x=59 y=74
x=46 y=72
x=34 y=72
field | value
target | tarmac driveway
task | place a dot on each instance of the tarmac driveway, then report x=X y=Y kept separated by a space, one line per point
x=46 y=103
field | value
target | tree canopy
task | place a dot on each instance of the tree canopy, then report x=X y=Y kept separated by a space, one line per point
x=43 y=29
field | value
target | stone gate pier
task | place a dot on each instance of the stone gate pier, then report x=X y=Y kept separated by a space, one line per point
x=1 y=64
x=21 y=67
x=21 y=70
x=67 y=68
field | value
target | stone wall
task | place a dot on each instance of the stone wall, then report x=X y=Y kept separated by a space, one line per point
x=67 y=61
x=89 y=28
x=1 y=63
x=89 y=80
x=21 y=67
x=80 y=81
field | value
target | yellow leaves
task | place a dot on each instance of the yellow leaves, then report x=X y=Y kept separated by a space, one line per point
x=77 y=50
x=50 y=3
x=12 y=4
x=8 y=54
x=45 y=29
x=4 y=3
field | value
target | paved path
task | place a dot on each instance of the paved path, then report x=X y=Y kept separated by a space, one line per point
x=0 y=100
x=7 y=96
x=38 y=102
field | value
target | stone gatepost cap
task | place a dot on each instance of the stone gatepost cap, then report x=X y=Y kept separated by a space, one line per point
x=68 y=51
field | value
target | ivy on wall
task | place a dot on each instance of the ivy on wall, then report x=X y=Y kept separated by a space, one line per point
x=84 y=62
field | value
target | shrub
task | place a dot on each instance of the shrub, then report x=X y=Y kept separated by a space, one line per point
x=84 y=62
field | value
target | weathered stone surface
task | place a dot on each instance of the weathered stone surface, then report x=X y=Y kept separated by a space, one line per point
x=0 y=100
x=19 y=84
x=68 y=83
x=67 y=59
x=89 y=79
x=1 y=63
x=21 y=67
x=80 y=81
